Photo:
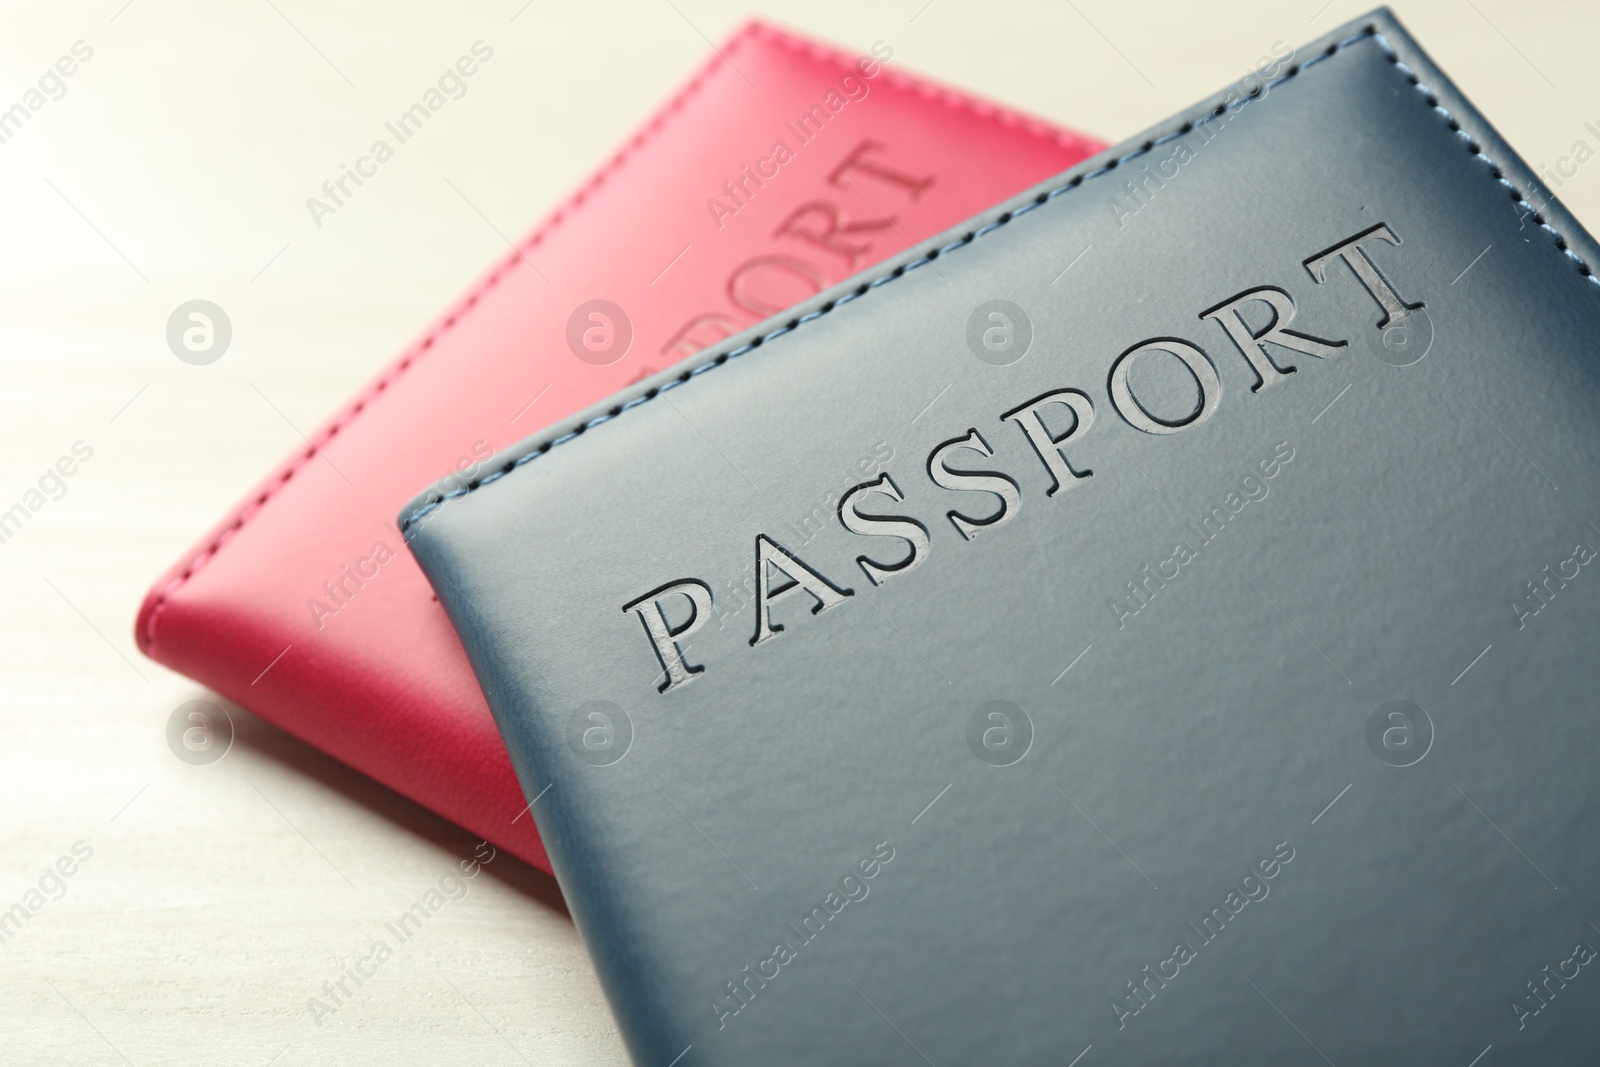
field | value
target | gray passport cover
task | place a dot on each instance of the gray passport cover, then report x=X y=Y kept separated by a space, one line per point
x=1006 y=657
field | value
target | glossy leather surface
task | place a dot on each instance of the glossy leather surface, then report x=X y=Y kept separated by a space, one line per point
x=375 y=676
x=1197 y=829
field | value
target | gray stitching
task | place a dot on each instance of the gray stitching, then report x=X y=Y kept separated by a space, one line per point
x=1185 y=128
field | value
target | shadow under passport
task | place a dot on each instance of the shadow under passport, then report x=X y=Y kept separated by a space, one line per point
x=264 y=739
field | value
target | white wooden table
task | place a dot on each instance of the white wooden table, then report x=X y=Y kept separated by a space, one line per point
x=215 y=901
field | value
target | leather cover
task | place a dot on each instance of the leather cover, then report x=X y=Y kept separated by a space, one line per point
x=1142 y=700
x=301 y=605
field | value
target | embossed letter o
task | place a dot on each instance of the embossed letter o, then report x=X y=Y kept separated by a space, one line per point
x=1199 y=366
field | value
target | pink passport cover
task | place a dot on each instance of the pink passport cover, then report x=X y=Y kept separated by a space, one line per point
x=780 y=168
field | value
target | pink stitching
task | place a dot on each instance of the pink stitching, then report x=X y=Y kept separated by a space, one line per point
x=657 y=123
x=561 y=214
x=949 y=97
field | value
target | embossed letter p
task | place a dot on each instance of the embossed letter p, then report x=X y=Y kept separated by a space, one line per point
x=664 y=637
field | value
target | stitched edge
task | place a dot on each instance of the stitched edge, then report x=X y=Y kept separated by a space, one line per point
x=1006 y=117
x=551 y=223
x=1494 y=169
x=655 y=126
x=1369 y=31
x=866 y=287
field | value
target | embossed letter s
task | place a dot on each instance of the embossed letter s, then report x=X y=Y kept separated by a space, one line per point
x=974 y=482
x=909 y=530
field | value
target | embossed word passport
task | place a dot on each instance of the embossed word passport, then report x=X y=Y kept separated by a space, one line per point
x=781 y=168
x=1207 y=673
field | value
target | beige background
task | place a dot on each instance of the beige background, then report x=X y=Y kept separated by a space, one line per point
x=219 y=898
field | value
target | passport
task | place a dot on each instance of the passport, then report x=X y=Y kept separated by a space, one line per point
x=1203 y=670
x=781 y=167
